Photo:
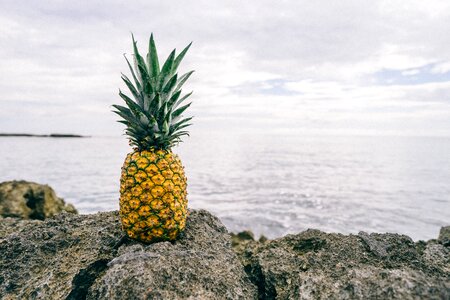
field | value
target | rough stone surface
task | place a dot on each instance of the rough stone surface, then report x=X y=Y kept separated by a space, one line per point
x=318 y=265
x=28 y=200
x=56 y=258
x=444 y=236
x=84 y=256
x=10 y=225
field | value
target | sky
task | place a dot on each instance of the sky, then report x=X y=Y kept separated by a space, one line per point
x=299 y=67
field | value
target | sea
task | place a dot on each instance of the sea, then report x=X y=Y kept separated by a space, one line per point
x=271 y=184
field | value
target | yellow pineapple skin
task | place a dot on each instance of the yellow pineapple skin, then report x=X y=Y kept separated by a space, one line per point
x=153 y=196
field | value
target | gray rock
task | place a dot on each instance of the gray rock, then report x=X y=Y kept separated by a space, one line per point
x=317 y=265
x=28 y=200
x=57 y=258
x=200 y=265
x=10 y=225
x=84 y=256
x=243 y=235
x=444 y=236
x=375 y=244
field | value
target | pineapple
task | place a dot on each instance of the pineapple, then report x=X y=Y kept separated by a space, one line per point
x=153 y=203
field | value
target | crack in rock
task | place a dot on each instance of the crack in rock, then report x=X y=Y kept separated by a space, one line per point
x=85 y=278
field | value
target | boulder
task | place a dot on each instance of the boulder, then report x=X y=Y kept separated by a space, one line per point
x=200 y=265
x=28 y=200
x=87 y=257
x=318 y=265
x=57 y=258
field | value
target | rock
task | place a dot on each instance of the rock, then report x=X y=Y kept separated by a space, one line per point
x=241 y=239
x=444 y=236
x=318 y=265
x=85 y=257
x=58 y=257
x=200 y=265
x=245 y=235
x=28 y=200
x=10 y=225
x=263 y=239
x=72 y=256
x=244 y=242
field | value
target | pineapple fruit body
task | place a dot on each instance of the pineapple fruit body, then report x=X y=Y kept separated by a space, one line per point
x=153 y=204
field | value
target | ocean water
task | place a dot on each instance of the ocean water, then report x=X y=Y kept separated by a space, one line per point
x=270 y=184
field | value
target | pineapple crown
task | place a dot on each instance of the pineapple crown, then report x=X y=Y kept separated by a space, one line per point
x=154 y=116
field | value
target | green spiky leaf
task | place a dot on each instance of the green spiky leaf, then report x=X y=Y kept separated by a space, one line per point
x=180 y=110
x=166 y=70
x=180 y=57
x=152 y=116
x=170 y=84
x=183 y=79
x=136 y=81
x=152 y=58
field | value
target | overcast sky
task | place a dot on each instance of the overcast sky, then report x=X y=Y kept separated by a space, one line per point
x=307 y=67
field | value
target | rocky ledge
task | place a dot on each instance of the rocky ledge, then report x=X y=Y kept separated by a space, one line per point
x=319 y=265
x=71 y=256
x=84 y=257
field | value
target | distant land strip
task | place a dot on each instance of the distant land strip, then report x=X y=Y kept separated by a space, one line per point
x=53 y=135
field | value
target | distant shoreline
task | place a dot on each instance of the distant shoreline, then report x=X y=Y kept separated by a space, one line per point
x=52 y=135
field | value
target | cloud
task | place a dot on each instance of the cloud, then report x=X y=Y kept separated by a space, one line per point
x=441 y=68
x=410 y=72
x=292 y=64
x=424 y=74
